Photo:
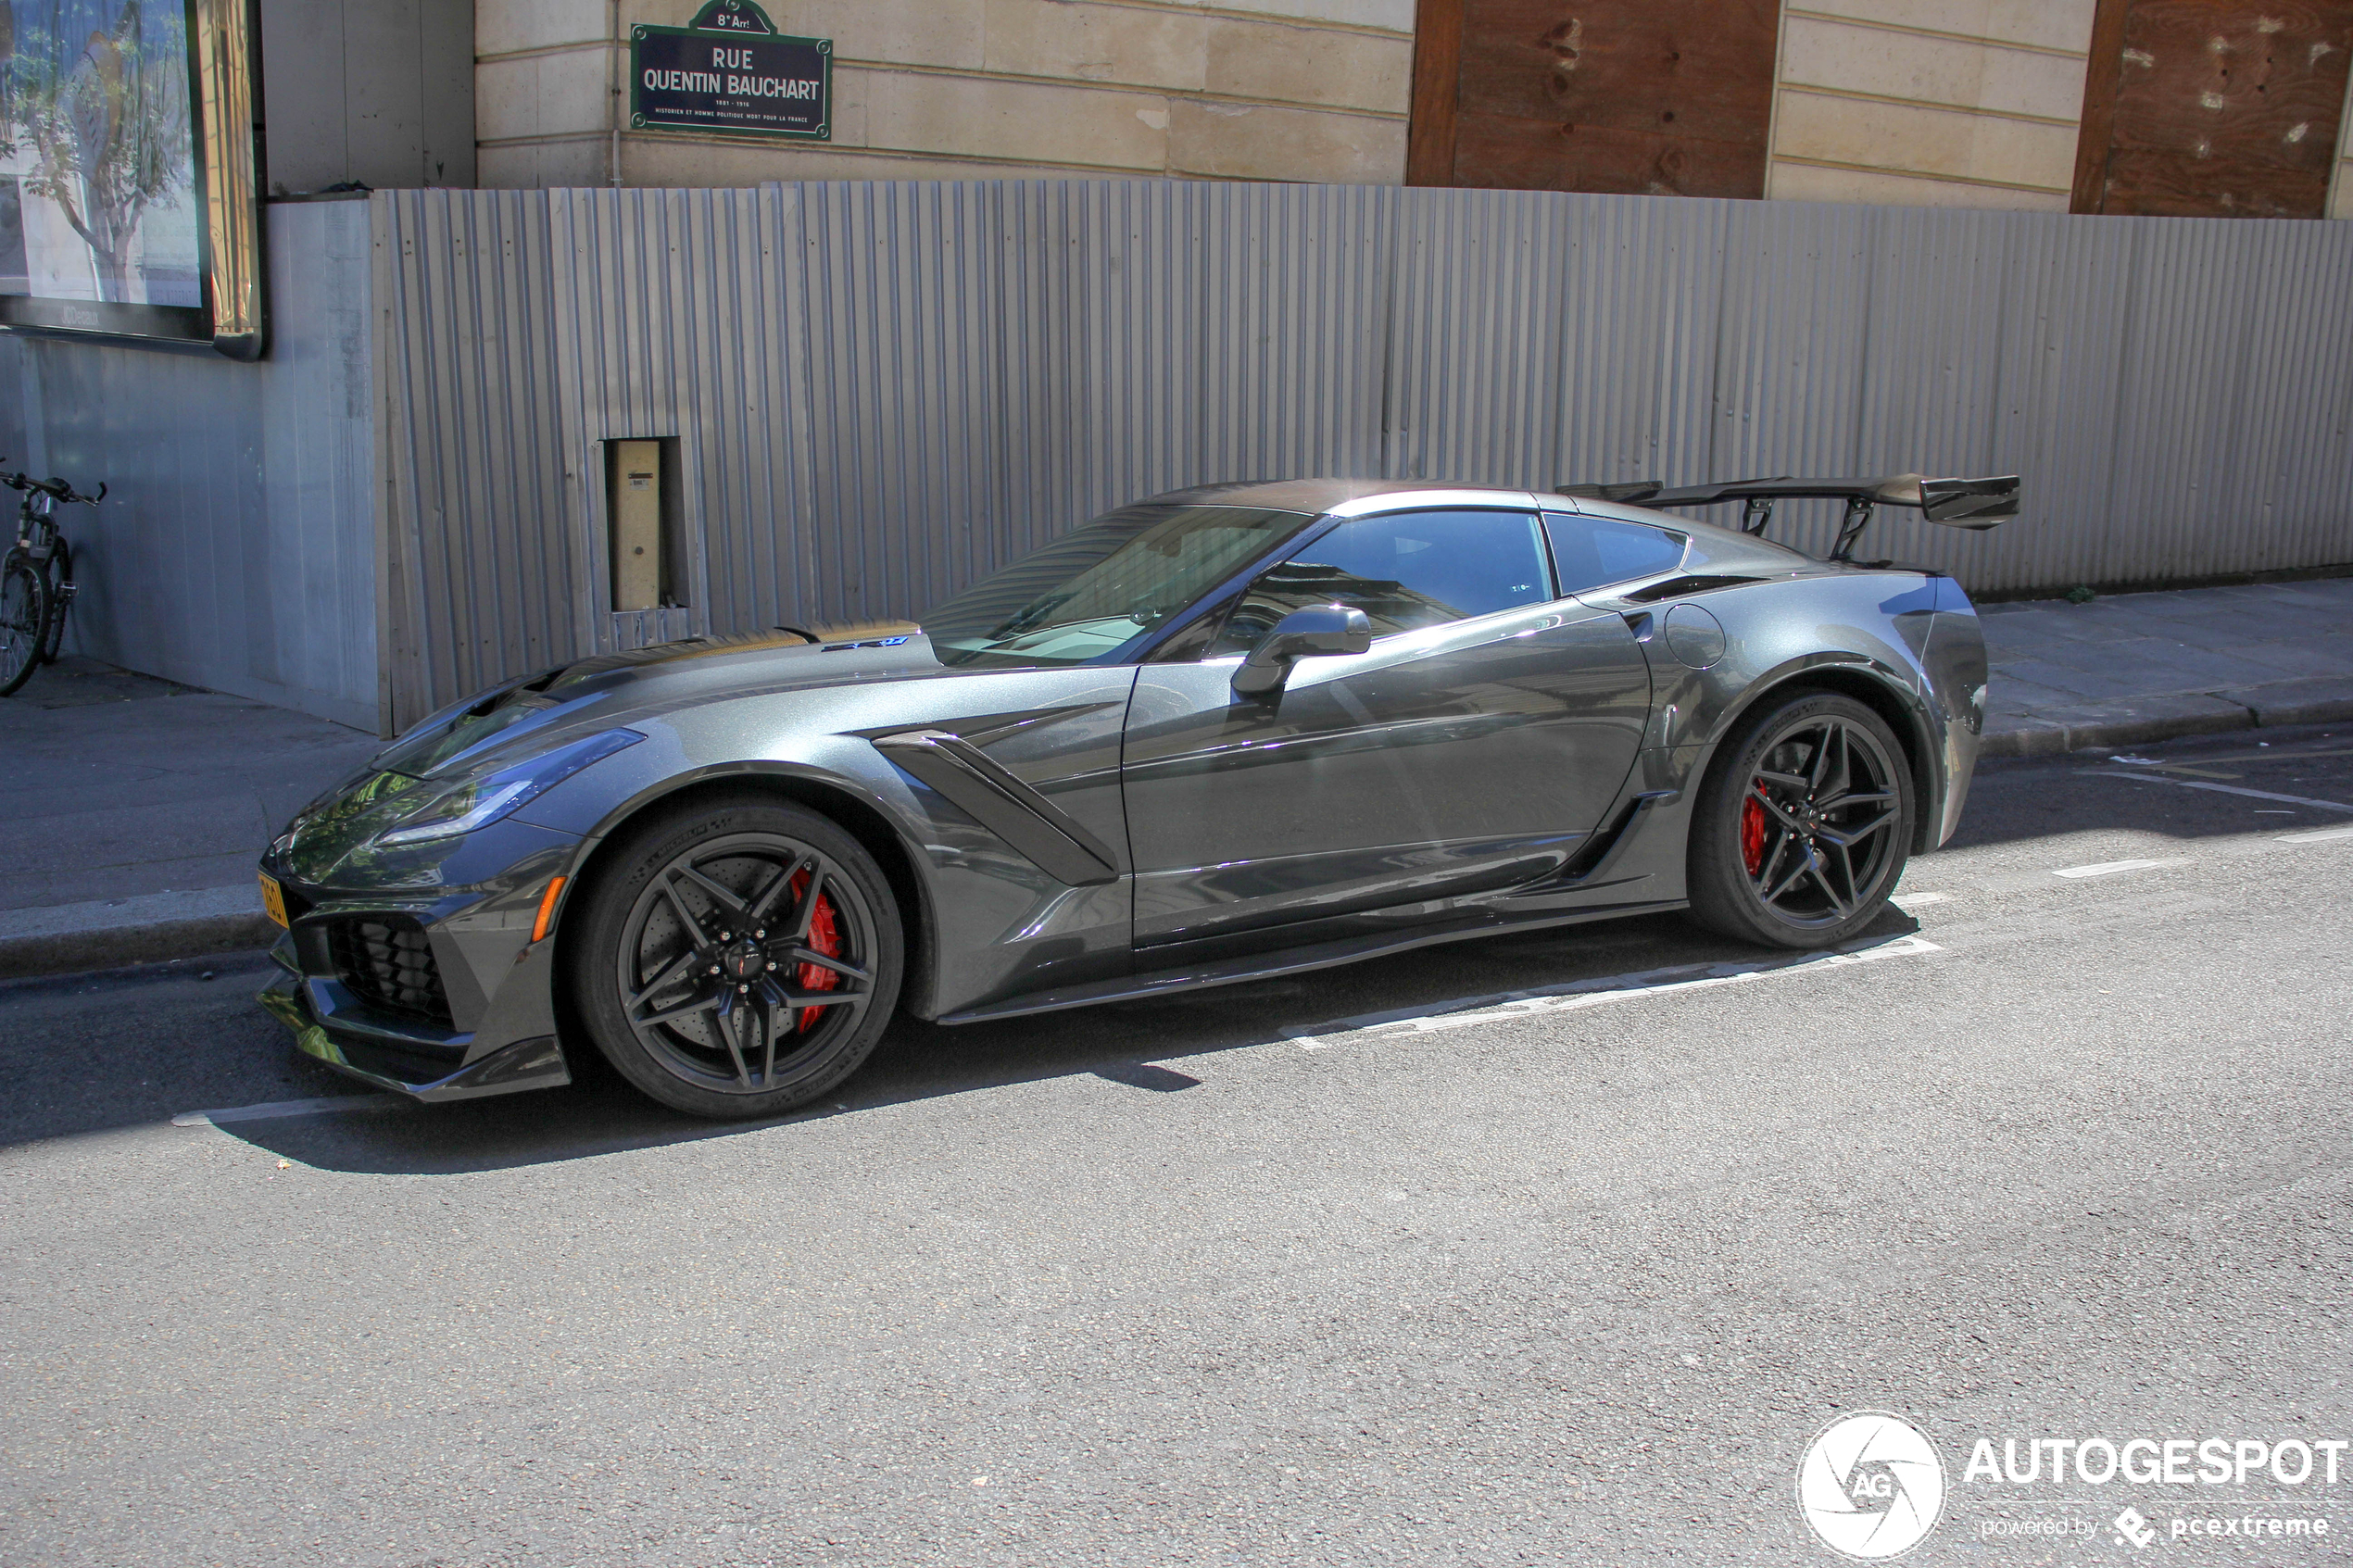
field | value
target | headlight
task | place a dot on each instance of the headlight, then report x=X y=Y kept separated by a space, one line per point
x=465 y=805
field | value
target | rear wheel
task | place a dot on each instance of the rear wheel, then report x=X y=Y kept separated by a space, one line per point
x=57 y=578
x=24 y=611
x=737 y=958
x=1802 y=824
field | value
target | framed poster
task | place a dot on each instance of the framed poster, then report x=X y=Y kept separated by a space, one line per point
x=730 y=70
x=127 y=172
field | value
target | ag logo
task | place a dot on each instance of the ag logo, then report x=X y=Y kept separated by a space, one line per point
x=1871 y=1485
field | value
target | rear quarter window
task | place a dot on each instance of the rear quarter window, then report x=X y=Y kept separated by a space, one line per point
x=1593 y=552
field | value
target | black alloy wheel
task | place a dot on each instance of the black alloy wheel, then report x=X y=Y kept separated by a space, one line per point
x=24 y=612
x=737 y=958
x=1803 y=826
x=58 y=579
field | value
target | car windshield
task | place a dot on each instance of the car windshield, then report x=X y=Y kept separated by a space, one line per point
x=1091 y=594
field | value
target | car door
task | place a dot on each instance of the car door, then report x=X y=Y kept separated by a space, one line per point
x=1487 y=730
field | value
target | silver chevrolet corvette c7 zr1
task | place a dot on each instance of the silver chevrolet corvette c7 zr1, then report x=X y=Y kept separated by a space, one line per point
x=1223 y=734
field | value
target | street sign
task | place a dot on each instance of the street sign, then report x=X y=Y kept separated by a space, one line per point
x=732 y=71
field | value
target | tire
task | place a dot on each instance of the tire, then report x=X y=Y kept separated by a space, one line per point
x=752 y=1022
x=57 y=578
x=24 y=616
x=1802 y=824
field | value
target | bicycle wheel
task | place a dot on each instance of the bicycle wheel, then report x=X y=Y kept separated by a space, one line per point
x=24 y=614
x=58 y=579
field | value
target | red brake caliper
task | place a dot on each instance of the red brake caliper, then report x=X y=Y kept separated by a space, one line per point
x=823 y=938
x=1753 y=833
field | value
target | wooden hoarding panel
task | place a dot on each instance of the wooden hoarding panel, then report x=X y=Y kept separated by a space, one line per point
x=1665 y=98
x=1437 y=53
x=2214 y=108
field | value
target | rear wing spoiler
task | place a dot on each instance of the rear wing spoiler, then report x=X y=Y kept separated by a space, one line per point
x=1956 y=502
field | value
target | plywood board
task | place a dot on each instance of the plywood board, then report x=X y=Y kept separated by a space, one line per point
x=2214 y=108
x=1665 y=98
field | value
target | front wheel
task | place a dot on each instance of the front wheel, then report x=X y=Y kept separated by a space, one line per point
x=1802 y=824
x=24 y=614
x=737 y=958
x=59 y=581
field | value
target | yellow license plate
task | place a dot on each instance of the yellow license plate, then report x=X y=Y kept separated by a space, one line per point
x=273 y=901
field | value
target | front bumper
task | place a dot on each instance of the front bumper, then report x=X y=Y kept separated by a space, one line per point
x=327 y=1024
x=431 y=987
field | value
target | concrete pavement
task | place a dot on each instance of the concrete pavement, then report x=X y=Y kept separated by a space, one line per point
x=2142 y=667
x=138 y=807
x=135 y=810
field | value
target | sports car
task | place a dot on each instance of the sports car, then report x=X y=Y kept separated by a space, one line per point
x=1224 y=733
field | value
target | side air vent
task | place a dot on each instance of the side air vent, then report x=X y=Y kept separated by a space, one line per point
x=387 y=962
x=1678 y=587
x=1035 y=826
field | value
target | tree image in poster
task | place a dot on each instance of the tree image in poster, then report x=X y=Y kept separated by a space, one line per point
x=97 y=168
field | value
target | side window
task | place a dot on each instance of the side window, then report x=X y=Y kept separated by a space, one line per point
x=1591 y=552
x=1404 y=571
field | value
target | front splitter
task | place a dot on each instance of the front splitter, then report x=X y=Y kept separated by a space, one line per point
x=523 y=1064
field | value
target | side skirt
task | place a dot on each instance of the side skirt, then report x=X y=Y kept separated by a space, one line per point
x=1295 y=960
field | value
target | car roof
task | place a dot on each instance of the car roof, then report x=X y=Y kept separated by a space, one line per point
x=1326 y=496
x=1319 y=495
x=1726 y=548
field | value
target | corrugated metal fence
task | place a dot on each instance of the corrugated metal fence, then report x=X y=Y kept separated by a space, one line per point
x=881 y=391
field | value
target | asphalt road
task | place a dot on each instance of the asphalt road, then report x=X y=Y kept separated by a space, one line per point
x=1572 y=1280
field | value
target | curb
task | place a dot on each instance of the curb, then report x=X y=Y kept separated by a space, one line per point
x=156 y=928
x=2139 y=721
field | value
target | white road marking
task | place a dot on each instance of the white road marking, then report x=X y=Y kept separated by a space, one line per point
x=2109 y=868
x=2223 y=790
x=1464 y=1012
x=2286 y=753
x=270 y=1109
x=1920 y=900
x=2320 y=836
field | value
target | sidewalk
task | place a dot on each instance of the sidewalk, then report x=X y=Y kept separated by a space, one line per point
x=2144 y=666
x=136 y=809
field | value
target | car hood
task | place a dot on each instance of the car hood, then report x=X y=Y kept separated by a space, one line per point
x=606 y=690
x=779 y=659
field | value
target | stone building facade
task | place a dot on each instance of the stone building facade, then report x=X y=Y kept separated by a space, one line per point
x=1983 y=103
x=1930 y=103
x=1293 y=90
x=1936 y=103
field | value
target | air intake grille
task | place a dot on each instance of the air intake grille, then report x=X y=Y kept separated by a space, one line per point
x=388 y=965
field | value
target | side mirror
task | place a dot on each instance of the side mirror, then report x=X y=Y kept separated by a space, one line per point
x=1303 y=633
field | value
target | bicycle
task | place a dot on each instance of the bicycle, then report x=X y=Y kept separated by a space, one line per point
x=36 y=579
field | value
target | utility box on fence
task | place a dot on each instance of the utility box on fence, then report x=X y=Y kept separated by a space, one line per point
x=634 y=492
